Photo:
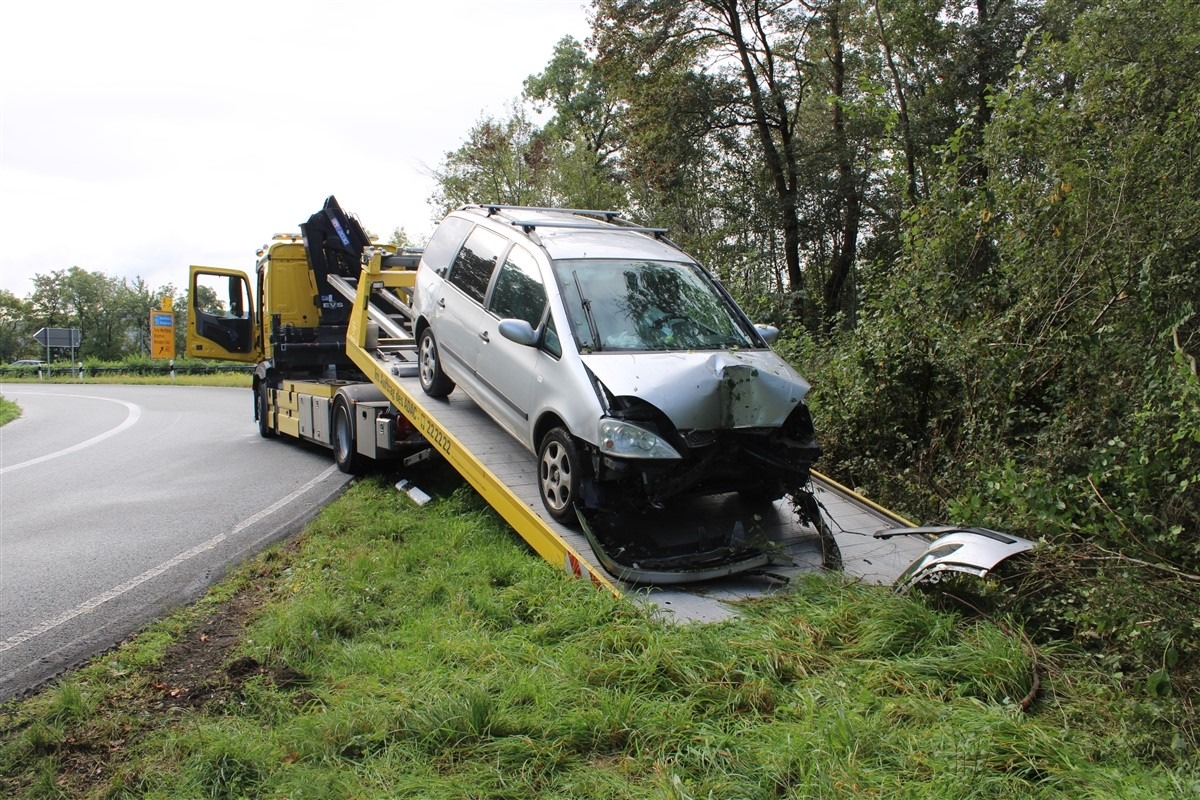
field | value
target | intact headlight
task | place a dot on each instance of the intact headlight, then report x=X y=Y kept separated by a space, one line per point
x=626 y=440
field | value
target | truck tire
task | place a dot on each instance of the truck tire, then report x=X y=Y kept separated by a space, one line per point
x=264 y=426
x=429 y=367
x=345 y=448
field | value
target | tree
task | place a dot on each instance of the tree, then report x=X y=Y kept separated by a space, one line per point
x=400 y=239
x=15 y=331
x=653 y=48
x=585 y=114
x=1055 y=389
x=107 y=310
x=502 y=161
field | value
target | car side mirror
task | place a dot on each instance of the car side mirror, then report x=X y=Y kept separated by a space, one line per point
x=519 y=331
x=769 y=333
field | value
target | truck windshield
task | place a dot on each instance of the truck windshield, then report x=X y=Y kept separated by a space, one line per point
x=647 y=305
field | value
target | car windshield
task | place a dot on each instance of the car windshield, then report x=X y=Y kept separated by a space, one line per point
x=647 y=305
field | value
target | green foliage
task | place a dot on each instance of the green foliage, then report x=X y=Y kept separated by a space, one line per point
x=16 y=335
x=8 y=411
x=503 y=161
x=1030 y=362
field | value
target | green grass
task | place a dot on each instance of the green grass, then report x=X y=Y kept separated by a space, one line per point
x=427 y=653
x=8 y=411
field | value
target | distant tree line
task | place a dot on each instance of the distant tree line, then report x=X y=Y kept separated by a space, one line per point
x=977 y=222
x=113 y=315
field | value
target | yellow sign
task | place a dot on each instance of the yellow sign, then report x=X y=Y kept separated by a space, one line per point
x=162 y=333
x=167 y=302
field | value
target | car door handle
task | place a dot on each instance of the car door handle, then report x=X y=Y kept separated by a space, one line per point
x=441 y=302
x=484 y=335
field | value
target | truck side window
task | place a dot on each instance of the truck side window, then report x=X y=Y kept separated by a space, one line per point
x=444 y=243
x=472 y=270
x=519 y=293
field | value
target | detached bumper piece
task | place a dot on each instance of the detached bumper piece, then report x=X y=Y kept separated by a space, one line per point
x=973 y=551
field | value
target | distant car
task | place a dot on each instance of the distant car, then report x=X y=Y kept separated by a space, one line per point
x=27 y=362
x=612 y=355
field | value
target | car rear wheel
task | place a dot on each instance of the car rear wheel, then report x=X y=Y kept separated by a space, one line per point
x=429 y=367
x=560 y=474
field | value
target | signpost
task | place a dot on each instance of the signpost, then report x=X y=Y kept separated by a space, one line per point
x=162 y=331
x=59 y=337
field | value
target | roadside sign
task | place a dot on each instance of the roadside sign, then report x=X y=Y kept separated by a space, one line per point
x=162 y=334
x=58 y=337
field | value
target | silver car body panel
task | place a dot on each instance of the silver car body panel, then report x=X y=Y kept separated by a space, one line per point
x=614 y=243
x=723 y=390
x=973 y=551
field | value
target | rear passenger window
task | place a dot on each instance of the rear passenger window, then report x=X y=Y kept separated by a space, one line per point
x=472 y=270
x=519 y=293
x=445 y=243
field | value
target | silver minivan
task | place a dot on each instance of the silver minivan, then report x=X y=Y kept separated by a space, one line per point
x=614 y=357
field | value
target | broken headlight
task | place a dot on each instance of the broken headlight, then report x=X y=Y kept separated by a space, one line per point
x=626 y=440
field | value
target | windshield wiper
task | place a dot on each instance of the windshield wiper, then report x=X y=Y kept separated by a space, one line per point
x=587 y=311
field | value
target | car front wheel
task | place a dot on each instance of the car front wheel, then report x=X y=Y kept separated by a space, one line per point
x=560 y=474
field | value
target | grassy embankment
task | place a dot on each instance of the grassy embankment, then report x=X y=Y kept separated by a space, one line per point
x=425 y=652
x=8 y=411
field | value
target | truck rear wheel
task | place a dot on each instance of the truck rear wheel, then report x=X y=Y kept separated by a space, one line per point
x=345 y=448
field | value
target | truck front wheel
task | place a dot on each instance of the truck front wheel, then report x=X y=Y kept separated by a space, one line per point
x=264 y=424
x=345 y=449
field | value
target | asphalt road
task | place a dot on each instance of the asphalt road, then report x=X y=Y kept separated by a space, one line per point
x=120 y=502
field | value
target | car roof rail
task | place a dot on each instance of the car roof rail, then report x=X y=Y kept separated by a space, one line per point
x=609 y=217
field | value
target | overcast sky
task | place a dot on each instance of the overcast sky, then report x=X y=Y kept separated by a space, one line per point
x=137 y=138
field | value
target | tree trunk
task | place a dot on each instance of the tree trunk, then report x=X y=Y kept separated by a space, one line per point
x=846 y=250
x=780 y=159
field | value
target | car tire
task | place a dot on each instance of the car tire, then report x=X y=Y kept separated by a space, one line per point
x=560 y=475
x=264 y=426
x=434 y=381
x=345 y=450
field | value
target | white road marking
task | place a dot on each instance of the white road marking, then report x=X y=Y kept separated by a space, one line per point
x=135 y=413
x=154 y=572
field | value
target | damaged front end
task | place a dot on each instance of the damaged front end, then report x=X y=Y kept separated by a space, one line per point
x=726 y=422
x=760 y=464
x=745 y=448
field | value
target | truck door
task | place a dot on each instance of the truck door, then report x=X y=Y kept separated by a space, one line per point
x=221 y=316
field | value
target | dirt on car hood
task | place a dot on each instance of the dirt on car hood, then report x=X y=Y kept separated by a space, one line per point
x=706 y=390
